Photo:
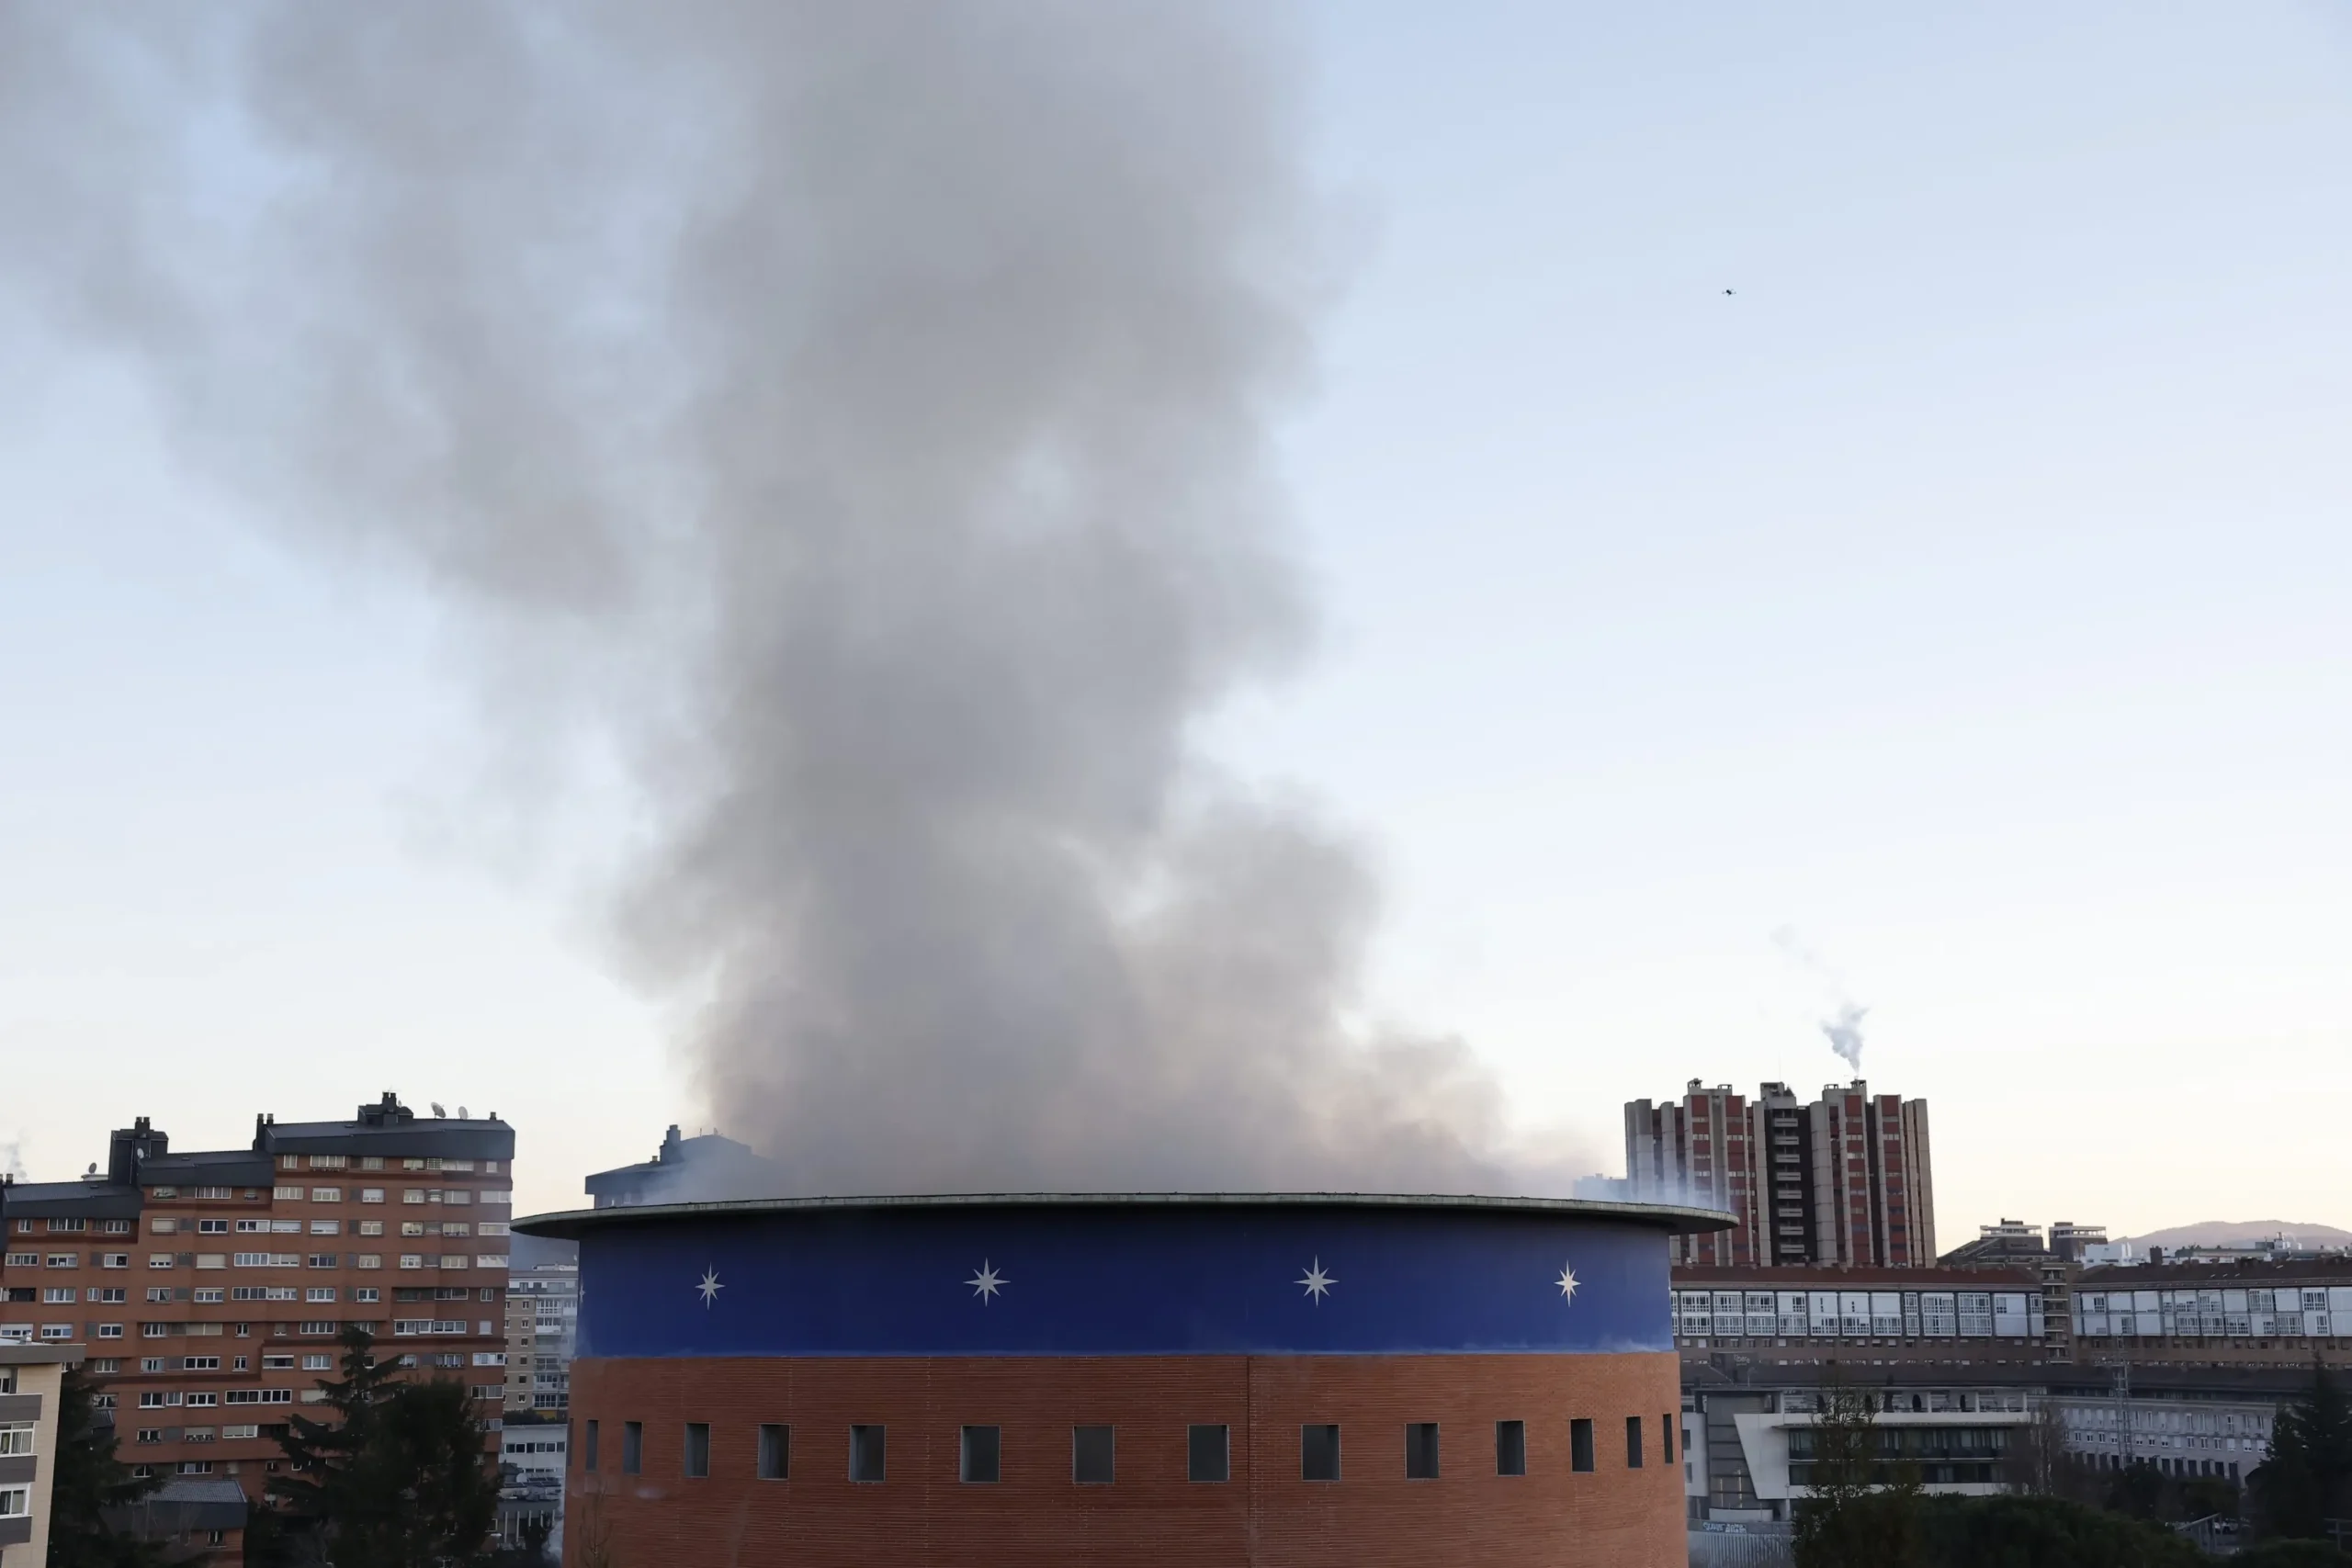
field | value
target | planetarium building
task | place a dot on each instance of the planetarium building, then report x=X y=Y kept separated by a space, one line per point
x=1036 y=1380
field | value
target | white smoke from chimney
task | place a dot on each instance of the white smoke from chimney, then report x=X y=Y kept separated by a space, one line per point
x=1843 y=1026
x=1845 y=1031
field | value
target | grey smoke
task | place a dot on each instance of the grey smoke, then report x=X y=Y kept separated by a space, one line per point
x=855 y=417
x=1843 y=1027
x=12 y=1161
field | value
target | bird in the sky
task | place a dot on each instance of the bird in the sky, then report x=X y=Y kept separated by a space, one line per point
x=1726 y=290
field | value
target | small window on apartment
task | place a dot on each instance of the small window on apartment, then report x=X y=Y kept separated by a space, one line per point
x=1666 y=1437
x=1510 y=1448
x=1318 y=1454
x=868 y=1450
x=776 y=1453
x=1633 y=1442
x=981 y=1456
x=588 y=1447
x=632 y=1448
x=1208 y=1453
x=1421 y=1450
x=1580 y=1445
x=698 y=1456
x=1093 y=1455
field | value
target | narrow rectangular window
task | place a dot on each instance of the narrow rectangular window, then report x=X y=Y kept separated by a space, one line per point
x=1510 y=1448
x=1633 y=1442
x=1093 y=1455
x=697 y=1455
x=588 y=1449
x=1421 y=1450
x=1579 y=1445
x=1318 y=1454
x=1208 y=1453
x=982 y=1456
x=776 y=1453
x=632 y=1448
x=868 y=1452
x=1666 y=1437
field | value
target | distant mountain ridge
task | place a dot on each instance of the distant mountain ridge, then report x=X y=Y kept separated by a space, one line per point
x=2237 y=1233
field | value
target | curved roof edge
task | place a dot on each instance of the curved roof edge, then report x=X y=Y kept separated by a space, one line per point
x=570 y=1224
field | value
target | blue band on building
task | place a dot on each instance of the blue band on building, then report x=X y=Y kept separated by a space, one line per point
x=1029 y=1276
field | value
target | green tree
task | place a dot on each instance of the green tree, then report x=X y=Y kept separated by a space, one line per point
x=87 y=1481
x=2307 y=1480
x=1862 y=1510
x=2140 y=1491
x=398 y=1479
x=2044 y=1532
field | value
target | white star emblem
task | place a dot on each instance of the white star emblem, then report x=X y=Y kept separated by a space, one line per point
x=1567 y=1282
x=987 y=1282
x=710 y=1287
x=1318 y=1284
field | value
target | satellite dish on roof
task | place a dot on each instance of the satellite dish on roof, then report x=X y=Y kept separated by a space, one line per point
x=93 y=1168
x=462 y=1114
x=437 y=1111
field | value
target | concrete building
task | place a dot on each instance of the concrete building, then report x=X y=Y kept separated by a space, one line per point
x=1873 y=1319
x=535 y=1452
x=2013 y=1245
x=1748 y=1442
x=209 y=1287
x=1844 y=1181
x=2244 y=1313
x=2071 y=1243
x=1039 y=1380
x=542 y=1313
x=684 y=1170
x=2193 y=1423
x=30 y=1378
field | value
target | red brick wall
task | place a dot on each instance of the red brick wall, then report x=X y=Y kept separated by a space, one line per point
x=1153 y=1514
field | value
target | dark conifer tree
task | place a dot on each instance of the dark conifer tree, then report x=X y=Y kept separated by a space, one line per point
x=398 y=1478
x=88 y=1479
x=2307 y=1480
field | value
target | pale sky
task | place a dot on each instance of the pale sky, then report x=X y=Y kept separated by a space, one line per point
x=1964 y=592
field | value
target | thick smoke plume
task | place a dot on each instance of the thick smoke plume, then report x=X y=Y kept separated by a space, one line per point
x=856 y=416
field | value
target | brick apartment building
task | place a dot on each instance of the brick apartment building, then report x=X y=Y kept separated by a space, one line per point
x=542 y=1316
x=1844 y=1181
x=208 y=1288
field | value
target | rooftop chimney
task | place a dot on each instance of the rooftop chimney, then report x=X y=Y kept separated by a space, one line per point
x=130 y=1147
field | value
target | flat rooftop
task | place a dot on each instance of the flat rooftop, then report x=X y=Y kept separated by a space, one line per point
x=1674 y=1219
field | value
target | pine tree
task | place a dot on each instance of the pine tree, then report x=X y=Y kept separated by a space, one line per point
x=322 y=1455
x=87 y=1481
x=397 y=1478
x=2307 y=1480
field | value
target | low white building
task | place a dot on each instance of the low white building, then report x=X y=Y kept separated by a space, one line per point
x=1747 y=1450
x=533 y=1454
x=2207 y=1436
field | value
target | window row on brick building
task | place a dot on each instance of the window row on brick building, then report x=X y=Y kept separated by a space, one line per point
x=1094 y=1450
